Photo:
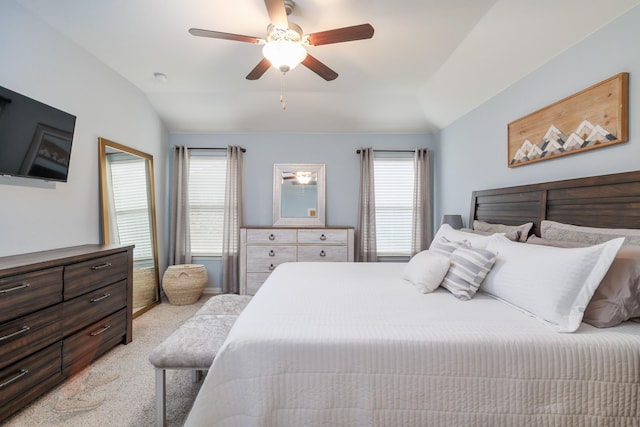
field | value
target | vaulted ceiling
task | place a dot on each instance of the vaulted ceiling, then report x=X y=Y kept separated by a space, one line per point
x=428 y=63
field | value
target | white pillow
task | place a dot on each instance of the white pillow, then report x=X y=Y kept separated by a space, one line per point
x=477 y=241
x=426 y=270
x=552 y=284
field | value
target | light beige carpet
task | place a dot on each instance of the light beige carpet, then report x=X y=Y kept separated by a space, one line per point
x=119 y=388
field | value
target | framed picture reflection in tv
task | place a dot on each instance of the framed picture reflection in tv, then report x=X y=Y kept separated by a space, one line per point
x=49 y=153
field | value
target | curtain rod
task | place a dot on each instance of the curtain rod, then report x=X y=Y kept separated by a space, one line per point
x=244 y=150
x=389 y=151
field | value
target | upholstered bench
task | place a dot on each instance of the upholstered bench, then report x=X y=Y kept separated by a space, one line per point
x=229 y=304
x=195 y=343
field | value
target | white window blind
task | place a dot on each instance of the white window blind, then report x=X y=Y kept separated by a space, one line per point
x=207 y=176
x=131 y=205
x=394 y=205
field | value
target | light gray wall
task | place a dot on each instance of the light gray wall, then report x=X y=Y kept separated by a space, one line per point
x=39 y=62
x=336 y=151
x=472 y=151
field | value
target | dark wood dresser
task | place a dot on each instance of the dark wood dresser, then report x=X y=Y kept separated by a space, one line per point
x=60 y=310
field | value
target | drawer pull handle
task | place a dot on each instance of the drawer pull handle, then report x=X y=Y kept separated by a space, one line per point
x=271 y=267
x=271 y=253
x=272 y=237
x=21 y=286
x=100 y=298
x=21 y=331
x=101 y=266
x=99 y=331
x=322 y=253
x=323 y=237
x=22 y=373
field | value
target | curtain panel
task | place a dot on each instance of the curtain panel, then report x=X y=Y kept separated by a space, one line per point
x=421 y=227
x=179 y=237
x=366 y=249
x=233 y=220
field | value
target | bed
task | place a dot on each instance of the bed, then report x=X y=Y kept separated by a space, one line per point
x=355 y=344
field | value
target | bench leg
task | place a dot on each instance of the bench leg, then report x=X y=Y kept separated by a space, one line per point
x=198 y=374
x=161 y=398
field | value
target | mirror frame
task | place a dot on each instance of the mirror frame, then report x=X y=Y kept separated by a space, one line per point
x=103 y=144
x=278 y=220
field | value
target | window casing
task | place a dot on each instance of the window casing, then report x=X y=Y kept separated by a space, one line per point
x=394 y=182
x=207 y=179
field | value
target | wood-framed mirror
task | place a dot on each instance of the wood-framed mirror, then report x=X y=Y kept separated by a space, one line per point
x=128 y=209
x=298 y=195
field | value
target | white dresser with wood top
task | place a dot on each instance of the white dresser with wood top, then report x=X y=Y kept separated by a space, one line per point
x=262 y=249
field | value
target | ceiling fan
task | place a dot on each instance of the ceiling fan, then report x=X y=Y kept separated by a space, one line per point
x=285 y=43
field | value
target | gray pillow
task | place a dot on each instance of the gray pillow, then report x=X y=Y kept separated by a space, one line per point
x=553 y=230
x=513 y=235
x=468 y=269
x=446 y=247
x=524 y=229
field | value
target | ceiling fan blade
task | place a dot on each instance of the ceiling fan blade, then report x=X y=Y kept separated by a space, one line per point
x=226 y=36
x=259 y=69
x=339 y=35
x=319 y=68
x=277 y=13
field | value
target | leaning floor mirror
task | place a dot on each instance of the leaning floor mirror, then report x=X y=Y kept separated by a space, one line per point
x=128 y=215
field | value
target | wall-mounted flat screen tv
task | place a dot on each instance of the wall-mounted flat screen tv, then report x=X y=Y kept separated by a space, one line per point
x=35 y=138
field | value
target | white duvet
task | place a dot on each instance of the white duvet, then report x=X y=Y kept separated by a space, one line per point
x=352 y=344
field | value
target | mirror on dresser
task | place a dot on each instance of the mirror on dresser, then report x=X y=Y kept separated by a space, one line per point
x=298 y=195
x=128 y=215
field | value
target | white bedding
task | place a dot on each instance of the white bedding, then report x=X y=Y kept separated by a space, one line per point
x=352 y=344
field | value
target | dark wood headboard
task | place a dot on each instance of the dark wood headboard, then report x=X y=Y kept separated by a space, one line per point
x=611 y=201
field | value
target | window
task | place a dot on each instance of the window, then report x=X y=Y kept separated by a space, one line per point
x=130 y=204
x=394 y=178
x=207 y=176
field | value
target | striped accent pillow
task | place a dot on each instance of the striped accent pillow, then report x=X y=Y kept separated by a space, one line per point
x=446 y=247
x=468 y=269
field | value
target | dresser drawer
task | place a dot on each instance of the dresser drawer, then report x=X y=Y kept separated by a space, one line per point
x=86 y=309
x=86 y=276
x=321 y=236
x=322 y=253
x=264 y=259
x=28 y=334
x=277 y=253
x=29 y=377
x=264 y=265
x=25 y=293
x=90 y=343
x=271 y=235
x=254 y=281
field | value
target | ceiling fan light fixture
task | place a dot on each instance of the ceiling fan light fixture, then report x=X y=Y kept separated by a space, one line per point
x=284 y=55
x=303 y=178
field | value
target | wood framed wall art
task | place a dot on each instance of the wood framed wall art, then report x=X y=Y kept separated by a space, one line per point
x=592 y=118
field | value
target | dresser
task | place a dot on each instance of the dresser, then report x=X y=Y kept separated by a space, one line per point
x=60 y=310
x=262 y=249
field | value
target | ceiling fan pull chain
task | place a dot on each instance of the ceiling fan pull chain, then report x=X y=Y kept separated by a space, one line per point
x=282 y=101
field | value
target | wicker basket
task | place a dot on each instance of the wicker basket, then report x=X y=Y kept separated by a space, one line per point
x=184 y=283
